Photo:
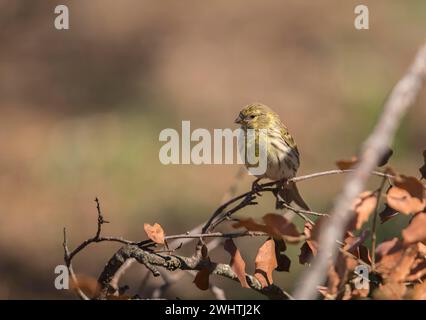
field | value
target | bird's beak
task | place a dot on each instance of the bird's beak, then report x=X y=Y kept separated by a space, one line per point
x=239 y=119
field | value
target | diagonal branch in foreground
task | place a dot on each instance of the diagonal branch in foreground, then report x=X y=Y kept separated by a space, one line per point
x=401 y=98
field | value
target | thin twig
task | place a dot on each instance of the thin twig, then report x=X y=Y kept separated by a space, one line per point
x=267 y=187
x=71 y=273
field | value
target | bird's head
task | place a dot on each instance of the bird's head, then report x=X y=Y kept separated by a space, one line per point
x=256 y=116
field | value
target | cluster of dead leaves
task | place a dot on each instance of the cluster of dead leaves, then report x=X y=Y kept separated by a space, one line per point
x=403 y=270
x=400 y=268
x=270 y=256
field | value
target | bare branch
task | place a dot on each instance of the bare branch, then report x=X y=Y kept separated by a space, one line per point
x=175 y=262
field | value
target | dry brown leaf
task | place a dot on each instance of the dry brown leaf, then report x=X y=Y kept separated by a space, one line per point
x=283 y=261
x=204 y=252
x=309 y=248
x=265 y=263
x=419 y=291
x=401 y=201
x=306 y=254
x=414 y=187
x=237 y=262
x=363 y=206
x=89 y=285
x=275 y=225
x=315 y=230
x=416 y=230
x=347 y=163
x=418 y=270
x=387 y=248
x=355 y=246
x=390 y=291
x=202 y=278
x=407 y=196
x=360 y=293
x=403 y=267
x=307 y=230
x=155 y=232
x=252 y=225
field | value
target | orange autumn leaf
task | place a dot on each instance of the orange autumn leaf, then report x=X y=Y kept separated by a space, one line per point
x=237 y=262
x=363 y=207
x=155 y=232
x=280 y=226
x=407 y=195
x=388 y=254
x=421 y=248
x=390 y=290
x=418 y=269
x=403 y=267
x=347 y=163
x=385 y=158
x=275 y=225
x=401 y=201
x=265 y=263
x=397 y=263
x=416 y=230
x=411 y=184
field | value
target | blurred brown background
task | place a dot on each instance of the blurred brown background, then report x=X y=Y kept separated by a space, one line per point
x=81 y=111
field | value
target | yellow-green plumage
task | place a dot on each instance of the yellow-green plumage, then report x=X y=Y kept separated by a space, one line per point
x=283 y=157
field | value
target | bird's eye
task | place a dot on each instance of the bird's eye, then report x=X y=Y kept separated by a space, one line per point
x=252 y=116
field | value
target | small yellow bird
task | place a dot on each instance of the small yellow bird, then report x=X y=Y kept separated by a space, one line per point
x=283 y=158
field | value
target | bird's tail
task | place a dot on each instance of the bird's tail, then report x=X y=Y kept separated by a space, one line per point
x=290 y=193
